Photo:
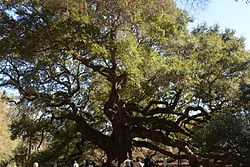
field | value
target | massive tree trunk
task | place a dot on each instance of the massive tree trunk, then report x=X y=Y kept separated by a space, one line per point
x=116 y=146
x=121 y=137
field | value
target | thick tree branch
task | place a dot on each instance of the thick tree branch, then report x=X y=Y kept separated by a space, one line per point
x=88 y=133
x=156 y=123
x=175 y=100
x=151 y=103
x=192 y=108
x=98 y=68
x=156 y=148
x=156 y=136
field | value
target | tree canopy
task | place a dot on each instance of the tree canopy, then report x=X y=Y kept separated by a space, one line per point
x=118 y=74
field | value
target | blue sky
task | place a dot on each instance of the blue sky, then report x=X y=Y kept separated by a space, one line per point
x=226 y=13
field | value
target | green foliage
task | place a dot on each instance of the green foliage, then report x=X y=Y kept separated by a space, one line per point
x=226 y=138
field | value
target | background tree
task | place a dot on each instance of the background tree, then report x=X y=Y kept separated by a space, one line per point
x=122 y=74
x=49 y=143
x=7 y=145
x=225 y=139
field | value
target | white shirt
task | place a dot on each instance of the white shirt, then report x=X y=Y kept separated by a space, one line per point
x=128 y=162
x=75 y=164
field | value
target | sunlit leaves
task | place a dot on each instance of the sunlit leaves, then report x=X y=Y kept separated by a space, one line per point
x=7 y=145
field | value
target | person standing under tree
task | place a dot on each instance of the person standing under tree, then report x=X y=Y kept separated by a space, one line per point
x=75 y=164
x=148 y=162
x=137 y=162
x=35 y=164
x=128 y=163
x=55 y=164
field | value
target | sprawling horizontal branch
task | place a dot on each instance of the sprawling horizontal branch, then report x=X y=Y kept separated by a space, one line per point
x=88 y=132
x=156 y=123
x=157 y=148
x=168 y=107
x=156 y=136
x=192 y=108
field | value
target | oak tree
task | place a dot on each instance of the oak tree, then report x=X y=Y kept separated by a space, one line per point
x=123 y=74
